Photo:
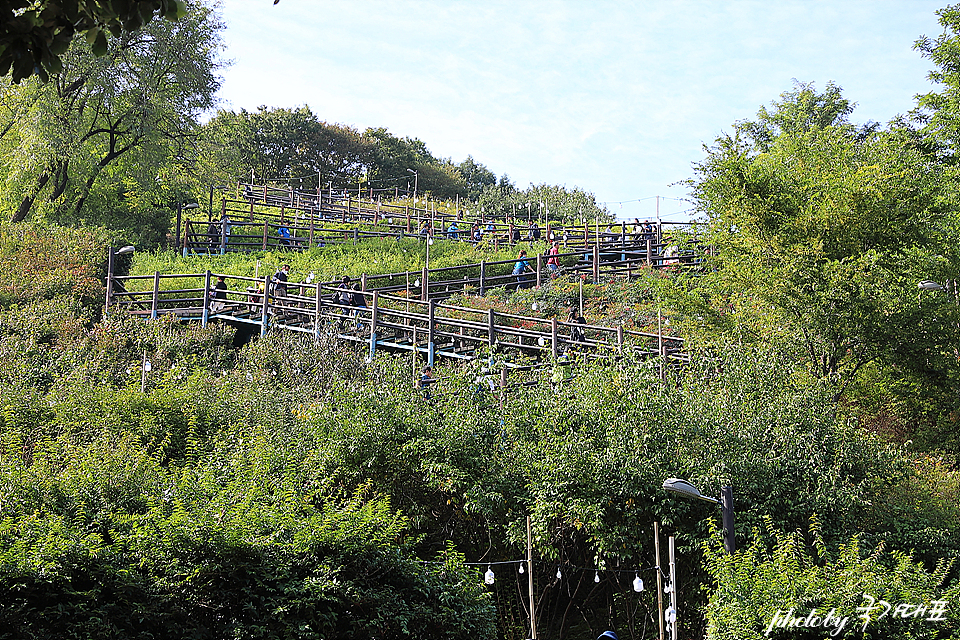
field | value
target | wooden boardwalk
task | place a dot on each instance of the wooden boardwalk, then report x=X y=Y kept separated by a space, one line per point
x=261 y=220
x=429 y=328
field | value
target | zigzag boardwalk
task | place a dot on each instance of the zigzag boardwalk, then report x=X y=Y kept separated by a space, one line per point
x=385 y=321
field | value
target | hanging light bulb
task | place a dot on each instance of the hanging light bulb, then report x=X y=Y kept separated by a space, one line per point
x=559 y=575
x=417 y=282
x=147 y=366
x=670 y=615
x=596 y=577
x=521 y=567
x=541 y=341
x=668 y=588
x=488 y=577
x=637 y=584
x=534 y=306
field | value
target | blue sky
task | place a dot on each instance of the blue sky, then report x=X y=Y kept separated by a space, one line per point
x=617 y=98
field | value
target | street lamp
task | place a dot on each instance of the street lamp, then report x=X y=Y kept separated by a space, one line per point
x=928 y=285
x=416 y=179
x=180 y=208
x=687 y=490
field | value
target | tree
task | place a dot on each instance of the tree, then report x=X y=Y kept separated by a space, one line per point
x=36 y=34
x=288 y=144
x=821 y=232
x=937 y=110
x=105 y=127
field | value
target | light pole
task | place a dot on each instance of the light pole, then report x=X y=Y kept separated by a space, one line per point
x=180 y=208
x=416 y=179
x=687 y=490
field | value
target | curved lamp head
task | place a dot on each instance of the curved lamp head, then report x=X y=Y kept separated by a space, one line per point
x=191 y=205
x=687 y=490
x=929 y=285
x=122 y=250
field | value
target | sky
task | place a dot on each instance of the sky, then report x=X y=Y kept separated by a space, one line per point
x=616 y=98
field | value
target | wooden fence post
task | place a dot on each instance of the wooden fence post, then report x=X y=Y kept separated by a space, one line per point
x=483 y=273
x=620 y=339
x=425 y=285
x=539 y=269
x=491 y=328
x=553 y=338
x=596 y=264
x=266 y=228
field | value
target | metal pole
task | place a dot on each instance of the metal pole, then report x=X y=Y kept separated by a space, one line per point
x=533 y=614
x=110 y=267
x=673 y=588
x=729 y=528
x=656 y=546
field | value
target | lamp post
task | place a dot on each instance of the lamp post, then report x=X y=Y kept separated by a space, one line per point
x=416 y=179
x=687 y=490
x=180 y=208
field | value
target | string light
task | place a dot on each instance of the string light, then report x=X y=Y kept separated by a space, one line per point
x=521 y=567
x=559 y=575
x=637 y=584
x=596 y=577
x=489 y=577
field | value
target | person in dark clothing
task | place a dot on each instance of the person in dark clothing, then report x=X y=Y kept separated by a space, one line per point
x=280 y=281
x=219 y=295
x=576 y=332
x=213 y=234
x=515 y=236
x=345 y=295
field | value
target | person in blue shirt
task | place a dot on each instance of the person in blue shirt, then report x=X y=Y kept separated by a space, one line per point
x=452 y=232
x=521 y=268
x=284 y=234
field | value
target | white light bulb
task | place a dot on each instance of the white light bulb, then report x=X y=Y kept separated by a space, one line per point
x=147 y=366
x=559 y=575
x=417 y=282
x=488 y=577
x=637 y=584
x=541 y=341
x=668 y=588
x=596 y=577
x=534 y=306
x=521 y=567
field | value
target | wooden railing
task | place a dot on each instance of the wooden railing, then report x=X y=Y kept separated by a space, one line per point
x=376 y=319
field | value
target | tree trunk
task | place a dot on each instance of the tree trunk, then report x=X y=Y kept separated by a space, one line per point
x=24 y=209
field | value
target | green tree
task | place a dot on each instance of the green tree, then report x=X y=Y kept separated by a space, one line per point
x=36 y=34
x=821 y=232
x=106 y=128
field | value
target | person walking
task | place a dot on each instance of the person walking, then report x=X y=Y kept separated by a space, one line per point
x=553 y=263
x=521 y=268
